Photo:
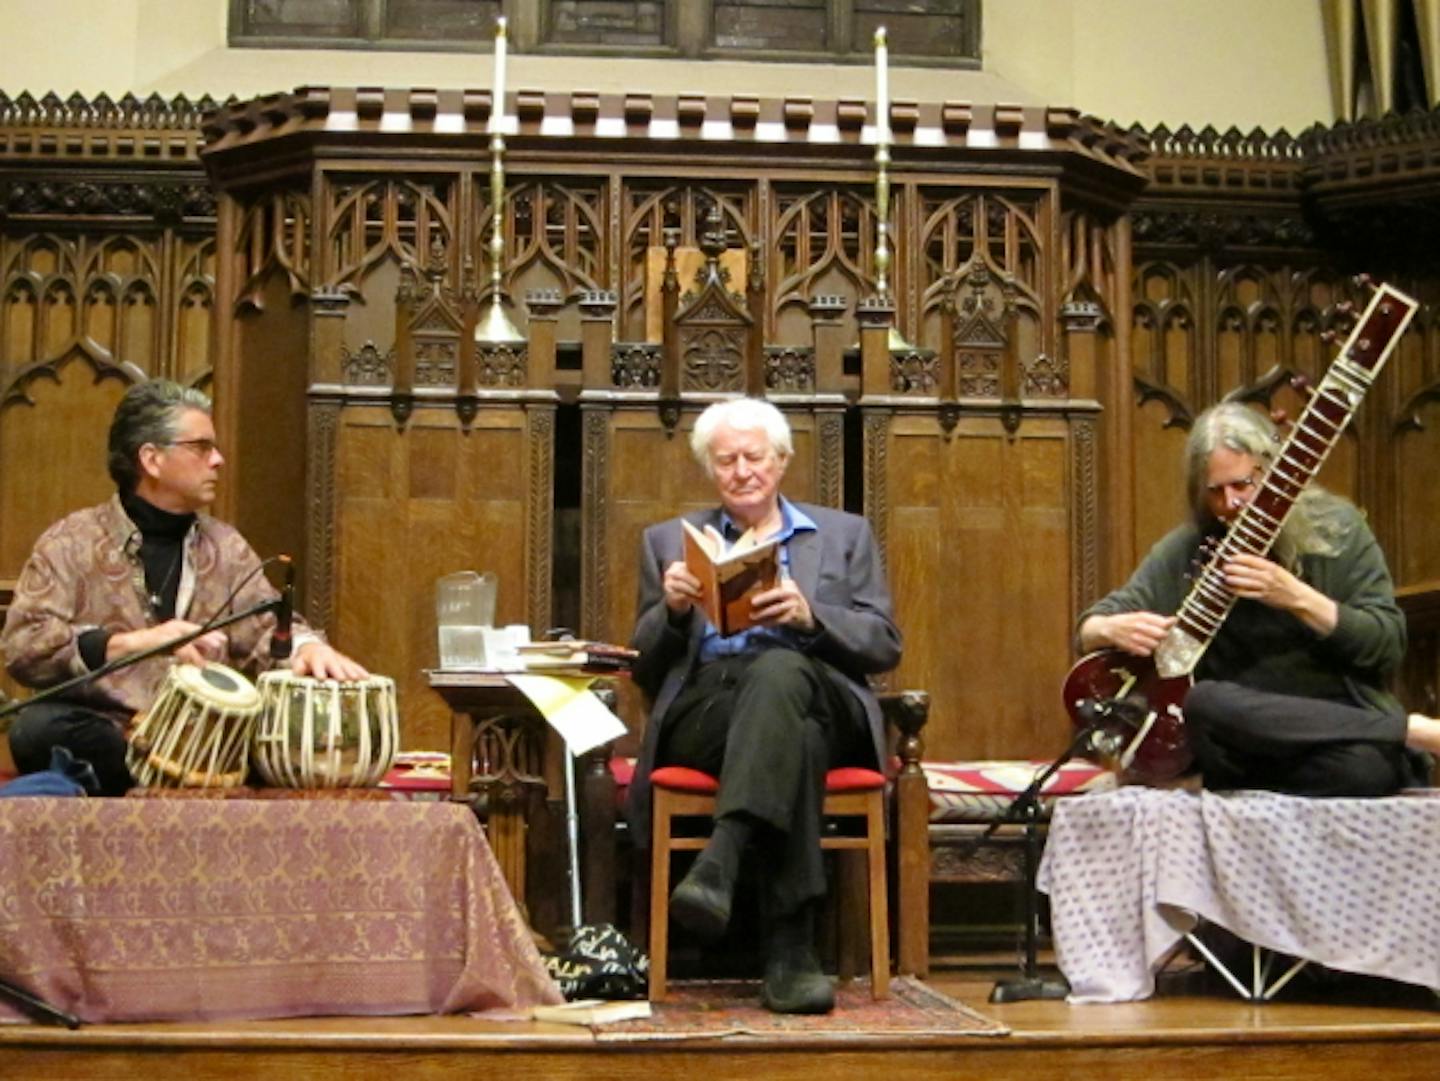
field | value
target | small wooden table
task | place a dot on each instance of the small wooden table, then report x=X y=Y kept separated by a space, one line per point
x=498 y=743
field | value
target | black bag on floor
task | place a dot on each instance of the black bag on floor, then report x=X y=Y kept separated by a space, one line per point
x=600 y=962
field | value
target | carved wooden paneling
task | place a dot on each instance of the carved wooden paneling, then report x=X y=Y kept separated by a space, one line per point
x=823 y=243
x=370 y=219
x=559 y=239
x=978 y=543
x=414 y=504
x=1002 y=232
x=107 y=277
x=273 y=237
x=1415 y=557
x=46 y=477
x=650 y=210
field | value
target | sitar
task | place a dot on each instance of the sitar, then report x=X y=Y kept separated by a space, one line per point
x=1134 y=706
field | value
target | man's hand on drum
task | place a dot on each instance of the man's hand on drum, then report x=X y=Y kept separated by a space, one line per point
x=322 y=661
x=210 y=646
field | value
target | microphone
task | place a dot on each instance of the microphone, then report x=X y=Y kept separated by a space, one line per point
x=280 y=641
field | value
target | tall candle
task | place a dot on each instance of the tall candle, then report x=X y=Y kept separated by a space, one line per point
x=497 y=94
x=882 y=87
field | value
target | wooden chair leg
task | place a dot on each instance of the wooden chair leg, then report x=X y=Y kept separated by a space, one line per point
x=850 y=887
x=659 y=893
x=879 y=906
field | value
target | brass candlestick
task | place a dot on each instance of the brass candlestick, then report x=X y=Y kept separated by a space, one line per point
x=496 y=325
x=882 y=184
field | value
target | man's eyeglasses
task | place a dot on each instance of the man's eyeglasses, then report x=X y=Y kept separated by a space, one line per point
x=202 y=447
x=1240 y=485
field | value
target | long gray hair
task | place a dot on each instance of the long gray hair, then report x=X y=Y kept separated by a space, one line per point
x=1316 y=525
x=148 y=413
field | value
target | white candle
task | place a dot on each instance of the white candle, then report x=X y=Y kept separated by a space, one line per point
x=497 y=93
x=882 y=87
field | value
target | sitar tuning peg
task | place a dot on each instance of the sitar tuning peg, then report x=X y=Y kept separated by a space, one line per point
x=1363 y=281
x=1204 y=553
x=1344 y=307
x=1328 y=337
x=1301 y=382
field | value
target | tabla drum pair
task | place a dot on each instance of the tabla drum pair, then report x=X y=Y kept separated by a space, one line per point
x=298 y=731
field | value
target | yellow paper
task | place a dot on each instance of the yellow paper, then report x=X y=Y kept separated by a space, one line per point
x=567 y=704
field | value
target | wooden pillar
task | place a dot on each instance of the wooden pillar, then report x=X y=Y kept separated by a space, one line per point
x=827 y=315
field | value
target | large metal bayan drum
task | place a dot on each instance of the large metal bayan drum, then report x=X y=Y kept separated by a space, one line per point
x=325 y=733
x=197 y=734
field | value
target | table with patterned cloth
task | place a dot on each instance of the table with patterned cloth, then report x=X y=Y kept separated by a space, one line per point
x=134 y=909
x=1349 y=883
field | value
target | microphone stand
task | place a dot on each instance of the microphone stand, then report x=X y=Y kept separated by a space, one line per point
x=1027 y=809
x=36 y=1008
x=128 y=659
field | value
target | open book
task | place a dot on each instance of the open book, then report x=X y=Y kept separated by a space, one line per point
x=730 y=577
x=592 y=1011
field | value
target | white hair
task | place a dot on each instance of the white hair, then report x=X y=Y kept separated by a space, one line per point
x=740 y=415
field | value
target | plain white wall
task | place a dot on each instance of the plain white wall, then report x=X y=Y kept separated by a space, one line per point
x=1246 y=63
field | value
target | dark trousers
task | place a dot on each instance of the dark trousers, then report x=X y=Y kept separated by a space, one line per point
x=1244 y=738
x=89 y=736
x=769 y=725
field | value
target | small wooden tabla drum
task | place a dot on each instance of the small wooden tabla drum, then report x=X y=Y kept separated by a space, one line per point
x=316 y=733
x=198 y=732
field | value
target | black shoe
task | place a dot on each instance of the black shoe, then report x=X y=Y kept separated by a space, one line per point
x=794 y=983
x=701 y=903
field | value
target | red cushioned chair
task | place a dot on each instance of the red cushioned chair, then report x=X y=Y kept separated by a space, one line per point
x=849 y=793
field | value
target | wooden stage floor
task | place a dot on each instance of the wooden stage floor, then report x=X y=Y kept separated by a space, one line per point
x=1195 y=1029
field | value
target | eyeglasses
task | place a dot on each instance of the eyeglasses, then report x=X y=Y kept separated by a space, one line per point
x=202 y=447
x=1240 y=485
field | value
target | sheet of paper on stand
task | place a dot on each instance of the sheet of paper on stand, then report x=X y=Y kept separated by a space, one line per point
x=567 y=704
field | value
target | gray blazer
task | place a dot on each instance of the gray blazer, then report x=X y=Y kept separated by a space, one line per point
x=839 y=570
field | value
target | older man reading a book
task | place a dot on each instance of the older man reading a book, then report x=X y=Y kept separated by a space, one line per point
x=771 y=707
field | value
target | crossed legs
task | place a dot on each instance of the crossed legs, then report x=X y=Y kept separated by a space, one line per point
x=768 y=725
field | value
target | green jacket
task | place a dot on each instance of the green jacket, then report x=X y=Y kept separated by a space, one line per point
x=1267 y=649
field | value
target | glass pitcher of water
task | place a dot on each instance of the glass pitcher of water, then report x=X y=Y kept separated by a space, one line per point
x=464 y=607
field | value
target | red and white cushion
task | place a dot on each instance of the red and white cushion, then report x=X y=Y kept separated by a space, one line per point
x=980 y=791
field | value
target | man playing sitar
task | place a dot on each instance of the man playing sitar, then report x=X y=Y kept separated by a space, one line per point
x=1289 y=693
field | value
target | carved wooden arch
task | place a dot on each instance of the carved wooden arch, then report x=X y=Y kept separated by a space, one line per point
x=274 y=236
x=709 y=344
x=16 y=391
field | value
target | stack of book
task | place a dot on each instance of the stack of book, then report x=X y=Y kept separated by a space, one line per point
x=576 y=658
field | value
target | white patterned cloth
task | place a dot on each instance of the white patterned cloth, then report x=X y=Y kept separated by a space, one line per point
x=1352 y=884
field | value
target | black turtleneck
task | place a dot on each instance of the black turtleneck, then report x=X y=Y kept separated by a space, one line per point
x=162 y=551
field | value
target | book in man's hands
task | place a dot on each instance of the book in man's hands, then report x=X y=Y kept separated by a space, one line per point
x=730 y=578
x=592 y=1011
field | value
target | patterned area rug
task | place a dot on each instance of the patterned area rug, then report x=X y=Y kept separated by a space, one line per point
x=706 y=1010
